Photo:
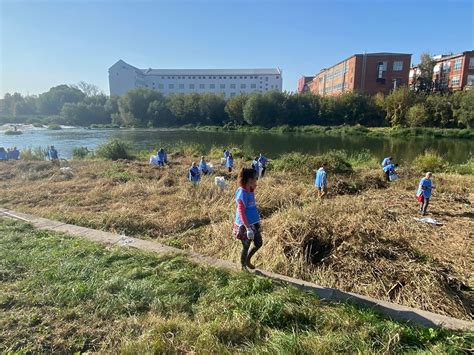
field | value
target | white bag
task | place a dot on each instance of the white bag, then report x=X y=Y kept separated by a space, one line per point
x=223 y=161
x=219 y=181
x=393 y=177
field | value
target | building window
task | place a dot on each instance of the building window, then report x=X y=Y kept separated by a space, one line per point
x=191 y=86
x=243 y=86
x=381 y=68
x=222 y=86
x=278 y=77
x=470 y=80
x=170 y=86
x=266 y=78
x=181 y=86
x=398 y=65
x=232 y=94
x=457 y=64
x=455 y=81
x=471 y=63
x=212 y=86
x=253 y=86
x=201 y=86
x=160 y=86
x=232 y=86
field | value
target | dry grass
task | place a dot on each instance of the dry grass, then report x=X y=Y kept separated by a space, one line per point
x=362 y=239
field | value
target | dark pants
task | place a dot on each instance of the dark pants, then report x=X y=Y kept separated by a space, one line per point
x=263 y=171
x=387 y=175
x=161 y=163
x=229 y=169
x=424 y=205
x=247 y=254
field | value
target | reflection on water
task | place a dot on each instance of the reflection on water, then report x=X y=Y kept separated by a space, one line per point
x=454 y=150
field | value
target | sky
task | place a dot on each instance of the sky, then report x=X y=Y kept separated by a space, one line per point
x=47 y=43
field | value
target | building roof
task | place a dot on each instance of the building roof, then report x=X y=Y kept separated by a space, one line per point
x=262 y=71
x=150 y=71
x=442 y=57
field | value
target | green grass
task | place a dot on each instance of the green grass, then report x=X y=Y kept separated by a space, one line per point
x=62 y=294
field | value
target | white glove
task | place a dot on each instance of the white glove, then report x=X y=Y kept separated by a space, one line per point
x=250 y=234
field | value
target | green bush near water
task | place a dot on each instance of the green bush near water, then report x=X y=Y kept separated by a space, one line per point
x=11 y=132
x=306 y=164
x=114 y=149
x=430 y=161
x=81 y=153
x=36 y=153
x=54 y=127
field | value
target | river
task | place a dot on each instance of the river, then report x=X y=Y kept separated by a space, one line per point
x=273 y=145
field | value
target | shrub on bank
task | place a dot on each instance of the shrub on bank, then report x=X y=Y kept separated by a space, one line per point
x=306 y=164
x=36 y=153
x=80 y=152
x=11 y=132
x=114 y=149
x=54 y=127
x=429 y=161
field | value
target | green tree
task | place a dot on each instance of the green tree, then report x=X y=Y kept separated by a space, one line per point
x=464 y=111
x=212 y=109
x=417 y=116
x=235 y=108
x=397 y=104
x=425 y=78
x=159 y=113
x=51 y=102
x=133 y=106
x=440 y=111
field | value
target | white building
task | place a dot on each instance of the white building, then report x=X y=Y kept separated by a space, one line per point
x=230 y=82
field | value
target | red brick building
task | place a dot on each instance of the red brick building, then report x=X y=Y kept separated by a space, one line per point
x=368 y=73
x=303 y=83
x=451 y=72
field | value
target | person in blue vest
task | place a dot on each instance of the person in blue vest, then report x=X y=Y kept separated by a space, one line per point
x=256 y=167
x=386 y=161
x=203 y=166
x=194 y=175
x=321 y=181
x=53 y=155
x=389 y=170
x=247 y=218
x=161 y=157
x=423 y=193
x=263 y=161
x=226 y=154
x=14 y=154
x=229 y=162
x=3 y=154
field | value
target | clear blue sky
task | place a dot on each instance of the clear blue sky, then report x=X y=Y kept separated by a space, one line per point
x=46 y=43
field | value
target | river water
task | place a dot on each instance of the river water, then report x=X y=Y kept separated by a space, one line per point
x=273 y=145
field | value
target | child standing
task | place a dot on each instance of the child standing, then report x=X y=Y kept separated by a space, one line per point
x=230 y=162
x=321 y=181
x=247 y=218
x=423 y=193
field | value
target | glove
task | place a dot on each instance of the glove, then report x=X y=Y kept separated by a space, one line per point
x=250 y=234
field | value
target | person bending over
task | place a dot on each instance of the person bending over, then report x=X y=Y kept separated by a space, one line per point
x=247 y=219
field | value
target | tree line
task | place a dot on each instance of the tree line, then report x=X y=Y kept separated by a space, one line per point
x=83 y=105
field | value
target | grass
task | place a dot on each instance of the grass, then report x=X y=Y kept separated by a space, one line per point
x=54 y=127
x=363 y=238
x=61 y=294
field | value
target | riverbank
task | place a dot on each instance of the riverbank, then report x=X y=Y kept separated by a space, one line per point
x=51 y=310
x=362 y=239
x=349 y=131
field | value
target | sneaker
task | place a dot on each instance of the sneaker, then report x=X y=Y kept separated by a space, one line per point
x=244 y=268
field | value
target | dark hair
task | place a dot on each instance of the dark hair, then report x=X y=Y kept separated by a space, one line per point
x=325 y=164
x=245 y=175
x=396 y=165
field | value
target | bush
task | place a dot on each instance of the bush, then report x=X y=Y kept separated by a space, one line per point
x=114 y=149
x=306 y=164
x=464 y=169
x=54 y=127
x=11 y=132
x=37 y=153
x=429 y=161
x=80 y=152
